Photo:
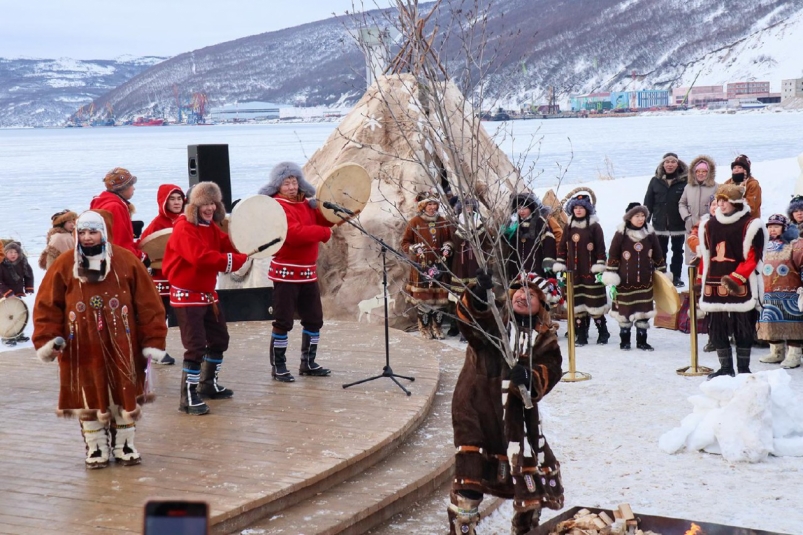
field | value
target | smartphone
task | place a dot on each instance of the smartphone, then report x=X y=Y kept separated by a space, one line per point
x=176 y=518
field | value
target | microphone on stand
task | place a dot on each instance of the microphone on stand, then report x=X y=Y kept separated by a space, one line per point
x=337 y=208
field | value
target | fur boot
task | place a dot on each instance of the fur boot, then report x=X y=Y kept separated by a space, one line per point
x=776 y=354
x=96 y=438
x=602 y=330
x=190 y=401
x=424 y=325
x=524 y=522
x=743 y=359
x=464 y=514
x=641 y=340
x=209 y=387
x=309 y=350
x=624 y=338
x=725 y=357
x=278 y=358
x=122 y=433
x=792 y=359
x=581 y=326
x=436 y=323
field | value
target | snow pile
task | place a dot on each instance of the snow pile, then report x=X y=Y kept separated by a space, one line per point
x=742 y=418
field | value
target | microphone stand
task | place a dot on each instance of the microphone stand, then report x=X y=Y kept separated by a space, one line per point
x=387 y=371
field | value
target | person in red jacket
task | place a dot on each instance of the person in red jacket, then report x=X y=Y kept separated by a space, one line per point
x=293 y=271
x=170 y=199
x=117 y=201
x=197 y=251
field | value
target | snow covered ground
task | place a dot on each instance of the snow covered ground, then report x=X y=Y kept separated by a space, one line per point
x=605 y=434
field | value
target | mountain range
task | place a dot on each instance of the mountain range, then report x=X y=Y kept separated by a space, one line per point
x=520 y=49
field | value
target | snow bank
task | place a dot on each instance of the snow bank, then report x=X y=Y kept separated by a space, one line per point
x=744 y=418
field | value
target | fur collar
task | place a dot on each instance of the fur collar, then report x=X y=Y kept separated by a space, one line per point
x=429 y=218
x=635 y=235
x=583 y=223
x=734 y=217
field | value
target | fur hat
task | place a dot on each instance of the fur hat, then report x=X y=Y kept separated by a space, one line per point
x=581 y=198
x=779 y=219
x=119 y=179
x=92 y=268
x=470 y=201
x=794 y=205
x=731 y=192
x=426 y=197
x=635 y=208
x=743 y=161
x=547 y=290
x=670 y=155
x=204 y=193
x=283 y=171
x=527 y=200
x=59 y=218
x=13 y=246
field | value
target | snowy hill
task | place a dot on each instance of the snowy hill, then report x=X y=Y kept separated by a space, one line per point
x=45 y=92
x=577 y=46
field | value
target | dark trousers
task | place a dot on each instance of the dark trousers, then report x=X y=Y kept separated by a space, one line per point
x=740 y=325
x=676 y=266
x=303 y=298
x=203 y=330
x=170 y=314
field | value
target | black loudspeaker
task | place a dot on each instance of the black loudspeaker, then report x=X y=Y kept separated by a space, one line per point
x=246 y=304
x=210 y=163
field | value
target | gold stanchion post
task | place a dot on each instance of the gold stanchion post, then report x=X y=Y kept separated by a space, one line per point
x=693 y=370
x=572 y=376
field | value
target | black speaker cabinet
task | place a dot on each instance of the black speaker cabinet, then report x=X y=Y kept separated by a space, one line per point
x=210 y=163
x=246 y=304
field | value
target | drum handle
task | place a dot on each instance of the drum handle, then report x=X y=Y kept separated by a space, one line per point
x=265 y=246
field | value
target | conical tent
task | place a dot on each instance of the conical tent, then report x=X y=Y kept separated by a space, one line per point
x=407 y=146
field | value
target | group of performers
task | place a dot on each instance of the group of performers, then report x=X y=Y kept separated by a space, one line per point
x=101 y=312
x=101 y=309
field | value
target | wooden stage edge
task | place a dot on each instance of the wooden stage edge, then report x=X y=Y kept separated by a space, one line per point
x=271 y=446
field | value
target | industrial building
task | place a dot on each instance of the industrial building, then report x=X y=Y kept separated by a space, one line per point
x=634 y=100
x=239 y=112
x=791 y=89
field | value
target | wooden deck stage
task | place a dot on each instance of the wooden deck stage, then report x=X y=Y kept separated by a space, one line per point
x=251 y=456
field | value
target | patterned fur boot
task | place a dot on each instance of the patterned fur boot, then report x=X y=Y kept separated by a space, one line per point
x=775 y=356
x=96 y=438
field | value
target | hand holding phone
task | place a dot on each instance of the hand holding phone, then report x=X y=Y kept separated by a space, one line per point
x=176 y=518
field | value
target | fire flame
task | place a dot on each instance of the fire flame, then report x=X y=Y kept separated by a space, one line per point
x=694 y=530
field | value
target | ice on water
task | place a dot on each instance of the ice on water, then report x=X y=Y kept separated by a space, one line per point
x=744 y=418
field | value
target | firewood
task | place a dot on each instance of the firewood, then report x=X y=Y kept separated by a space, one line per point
x=617 y=514
x=627 y=512
x=581 y=513
x=605 y=518
x=599 y=523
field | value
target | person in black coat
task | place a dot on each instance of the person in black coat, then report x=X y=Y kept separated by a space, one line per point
x=663 y=202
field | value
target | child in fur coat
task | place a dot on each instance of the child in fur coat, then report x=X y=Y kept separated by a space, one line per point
x=634 y=254
x=582 y=251
x=781 y=313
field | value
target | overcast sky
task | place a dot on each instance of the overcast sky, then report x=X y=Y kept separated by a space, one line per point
x=106 y=29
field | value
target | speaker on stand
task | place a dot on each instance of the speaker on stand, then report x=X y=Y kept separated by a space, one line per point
x=210 y=163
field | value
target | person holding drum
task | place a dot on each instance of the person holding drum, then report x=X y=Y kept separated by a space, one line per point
x=16 y=280
x=99 y=315
x=293 y=271
x=428 y=241
x=59 y=238
x=170 y=199
x=196 y=252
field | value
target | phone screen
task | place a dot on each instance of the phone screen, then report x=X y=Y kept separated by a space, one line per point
x=176 y=518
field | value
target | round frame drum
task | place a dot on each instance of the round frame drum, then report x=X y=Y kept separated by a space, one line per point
x=255 y=221
x=154 y=246
x=13 y=317
x=348 y=185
